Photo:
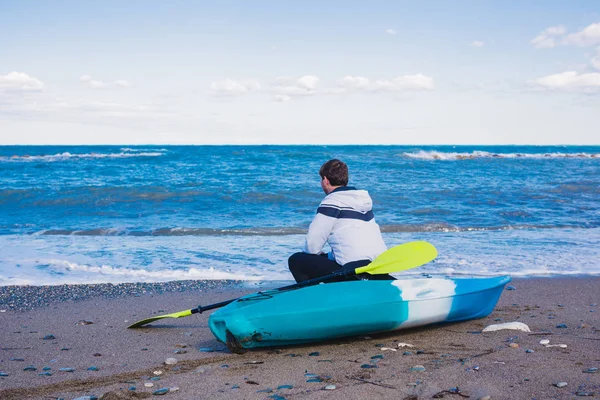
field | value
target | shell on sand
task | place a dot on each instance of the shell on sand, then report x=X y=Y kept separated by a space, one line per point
x=507 y=325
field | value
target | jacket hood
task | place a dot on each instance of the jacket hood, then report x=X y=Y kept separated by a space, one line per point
x=358 y=200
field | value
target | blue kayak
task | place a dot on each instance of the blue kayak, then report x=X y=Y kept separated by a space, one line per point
x=334 y=310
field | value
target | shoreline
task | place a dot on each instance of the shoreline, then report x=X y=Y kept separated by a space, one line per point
x=30 y=297
x=54 y=333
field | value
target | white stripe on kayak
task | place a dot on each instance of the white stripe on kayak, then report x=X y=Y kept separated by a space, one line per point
x=429 y=300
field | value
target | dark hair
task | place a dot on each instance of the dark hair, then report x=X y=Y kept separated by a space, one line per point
x=336 y=172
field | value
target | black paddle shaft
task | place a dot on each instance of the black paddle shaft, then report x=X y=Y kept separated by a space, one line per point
x=342 y=273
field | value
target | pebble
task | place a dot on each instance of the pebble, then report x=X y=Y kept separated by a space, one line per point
x=276 y=397
x=513 y=345
x=84 y=322
x=155 y=378
x=46 y=369
x=206 y=349
x=132 y=388
x=45 y=373
x=160 y=392
x=285 y=387
x=171 y=361
x=368 y=366
x=148 y=384
x=418 y=368
x=407 y=353
x=378 y=356
x=485 y=398
x=561 y=326
x=201 y=370
x=180 y=351
x=585 y=394
x=93 y=368
x=86 y=398
x=158 y=372
x=590 y=370
x=314 y=354
x=17 y=359
x=545 y=341
x=174 y=389
x=267 y=390
x=49 y=337
x=405 y=345
x=330 y=387
x=529 y=351
x=67 y=369
x=30 y=368
x=3 y=374
x=511 y=288
x=560 y=384
x=181 y=346
x=314 y=380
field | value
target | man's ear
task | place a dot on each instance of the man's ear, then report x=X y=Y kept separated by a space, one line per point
x=326 y=180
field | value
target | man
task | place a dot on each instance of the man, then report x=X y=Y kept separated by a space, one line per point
x=344 y=220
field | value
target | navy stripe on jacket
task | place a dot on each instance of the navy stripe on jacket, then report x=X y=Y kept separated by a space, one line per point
x=348 y=214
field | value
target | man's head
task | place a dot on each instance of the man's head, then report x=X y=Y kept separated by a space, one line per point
x=334 y=173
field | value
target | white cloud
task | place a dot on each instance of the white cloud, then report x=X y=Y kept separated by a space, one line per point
x=547 y=38
x=231 y=87
x=570 y=81
x=596 y=62
x=304 y=86
x=354 y=82
x=122 y=83
x=406 y=82
x=391 y=31
x=96 y=84
x=308 y=82
x=477 y=43
x=281 y=98
x=589 y=36
x=20 y=81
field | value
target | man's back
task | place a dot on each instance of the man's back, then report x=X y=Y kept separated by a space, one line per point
x=345 y=220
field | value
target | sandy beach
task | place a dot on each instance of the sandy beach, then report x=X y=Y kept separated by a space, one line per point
x=71 y=341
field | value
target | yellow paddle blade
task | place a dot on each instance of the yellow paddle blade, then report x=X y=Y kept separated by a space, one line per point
x=400 y=258
x=152 y=319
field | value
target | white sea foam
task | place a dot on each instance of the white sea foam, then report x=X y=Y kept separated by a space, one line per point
x=448 y=156
x=52 y=260
x=69 y=156
x=127 y=149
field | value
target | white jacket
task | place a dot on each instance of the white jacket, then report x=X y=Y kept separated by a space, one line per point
x=345 y=220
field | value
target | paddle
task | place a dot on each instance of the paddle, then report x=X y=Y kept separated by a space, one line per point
x=397 y=259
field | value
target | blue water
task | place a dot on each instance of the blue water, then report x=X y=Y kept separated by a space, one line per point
x=87 y=214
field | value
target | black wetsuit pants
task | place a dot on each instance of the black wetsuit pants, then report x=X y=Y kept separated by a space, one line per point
x=304 y=266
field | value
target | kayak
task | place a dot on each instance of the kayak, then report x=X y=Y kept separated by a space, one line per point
x=334 y=310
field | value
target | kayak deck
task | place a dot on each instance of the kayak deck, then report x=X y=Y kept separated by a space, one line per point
x=333 y=310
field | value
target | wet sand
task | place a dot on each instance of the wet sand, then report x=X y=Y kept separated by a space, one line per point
x=458 y=359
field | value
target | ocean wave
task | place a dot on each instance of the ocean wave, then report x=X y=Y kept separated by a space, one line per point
x=69 y=156
x=448 y=156
x=128 y=149
x=177 y=232
x=67 y=272
x=285 y=231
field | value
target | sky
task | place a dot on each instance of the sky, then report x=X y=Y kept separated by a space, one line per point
x=299 y=72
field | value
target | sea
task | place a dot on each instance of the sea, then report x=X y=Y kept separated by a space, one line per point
x=112 y=214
